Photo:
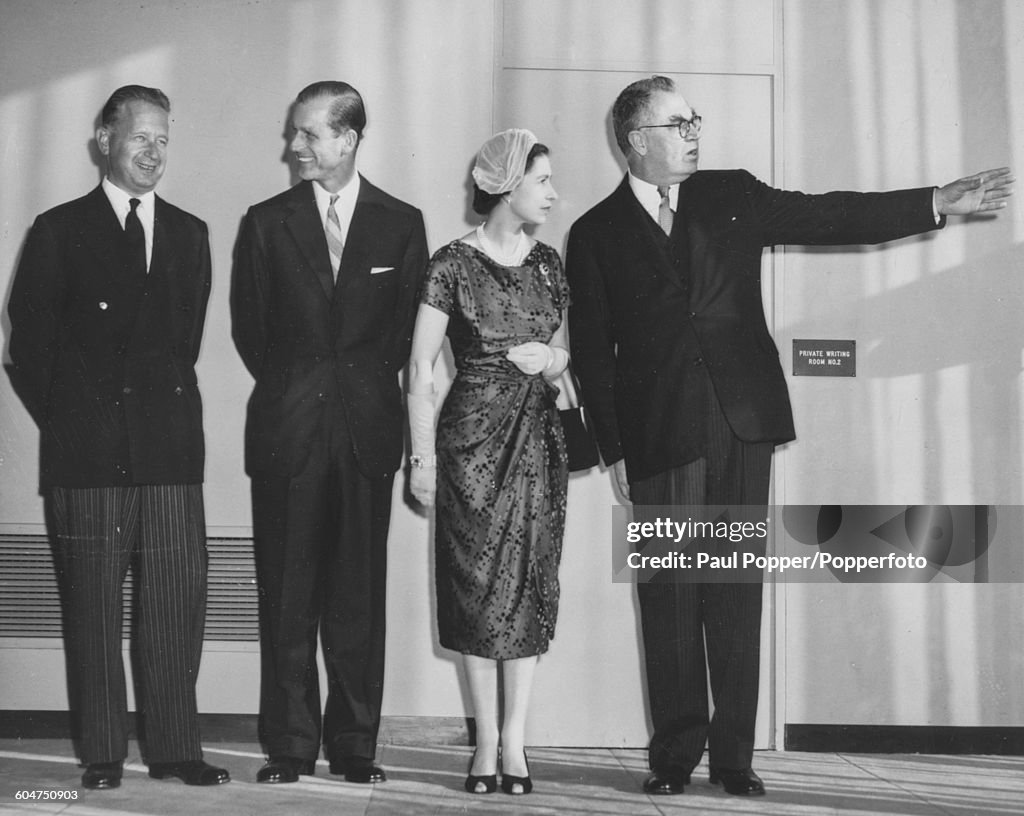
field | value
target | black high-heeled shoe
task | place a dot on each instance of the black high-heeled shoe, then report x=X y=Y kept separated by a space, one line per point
x=508 y=781
x=489 y=781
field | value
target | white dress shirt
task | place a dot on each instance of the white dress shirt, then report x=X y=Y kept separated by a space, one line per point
x=649 y=197
x=344 y=206
x=119 y=200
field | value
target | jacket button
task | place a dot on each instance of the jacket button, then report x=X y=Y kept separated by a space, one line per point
x=126 y=390
x=698 y=361
x=178 y=390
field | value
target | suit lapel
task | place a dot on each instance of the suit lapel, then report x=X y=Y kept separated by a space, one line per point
x=639 y=223
x=367 y=222
x=102 y=232
x=304 y=225
x=164 y=259
x=696 y=240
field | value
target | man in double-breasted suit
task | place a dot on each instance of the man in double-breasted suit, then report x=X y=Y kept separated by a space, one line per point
x=684 y=385
x=107 y=313
x=323 y=302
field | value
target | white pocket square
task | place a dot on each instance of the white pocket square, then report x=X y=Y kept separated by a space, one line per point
x=376 y=270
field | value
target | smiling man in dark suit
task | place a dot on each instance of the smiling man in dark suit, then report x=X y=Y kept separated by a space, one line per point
x=684 y=385
x=323 y=303
x=107 y=313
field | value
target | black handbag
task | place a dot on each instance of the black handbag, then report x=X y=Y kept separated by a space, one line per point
x=580 y=444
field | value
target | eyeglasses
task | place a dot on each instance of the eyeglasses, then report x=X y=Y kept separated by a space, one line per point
x=686 y=127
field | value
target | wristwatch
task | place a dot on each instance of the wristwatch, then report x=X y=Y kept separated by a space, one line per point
x=418 y=461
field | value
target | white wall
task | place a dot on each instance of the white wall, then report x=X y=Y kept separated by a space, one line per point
x=906 y=93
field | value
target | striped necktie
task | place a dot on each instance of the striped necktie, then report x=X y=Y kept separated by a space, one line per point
x=665 y=214
x=335 y=244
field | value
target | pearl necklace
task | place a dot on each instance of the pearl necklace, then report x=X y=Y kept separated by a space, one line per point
x=513 y=258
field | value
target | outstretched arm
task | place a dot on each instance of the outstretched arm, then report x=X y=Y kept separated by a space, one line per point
x=982 y=192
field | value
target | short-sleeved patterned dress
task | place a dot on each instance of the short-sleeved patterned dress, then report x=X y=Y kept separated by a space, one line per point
x=502 y=470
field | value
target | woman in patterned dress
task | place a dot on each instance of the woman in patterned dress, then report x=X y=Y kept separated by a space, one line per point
x=499 y=471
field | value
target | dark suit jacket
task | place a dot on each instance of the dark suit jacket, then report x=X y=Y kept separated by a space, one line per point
x=652 y=318
x=314 y=351
x=103 y=357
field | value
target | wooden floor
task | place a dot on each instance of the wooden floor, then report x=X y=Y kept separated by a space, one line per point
x=428 y=780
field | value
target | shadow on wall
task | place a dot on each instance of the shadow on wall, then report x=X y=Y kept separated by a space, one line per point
x=966 y=639
x=969 y=315
x=966 y=316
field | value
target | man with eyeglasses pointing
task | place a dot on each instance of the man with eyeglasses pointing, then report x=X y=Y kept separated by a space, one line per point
x=683 y=383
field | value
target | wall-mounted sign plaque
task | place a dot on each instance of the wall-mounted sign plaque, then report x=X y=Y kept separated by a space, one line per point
x=824 y=358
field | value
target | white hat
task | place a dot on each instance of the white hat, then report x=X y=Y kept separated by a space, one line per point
x=501 y=162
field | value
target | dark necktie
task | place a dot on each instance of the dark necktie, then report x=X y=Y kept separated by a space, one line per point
x=665 y=213
x=135 y=239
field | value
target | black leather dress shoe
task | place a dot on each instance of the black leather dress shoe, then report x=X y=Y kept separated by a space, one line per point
x=360 y=771
x=191 y=772
x=738 y=783
x=102 y=775
x=666 y=783
x=285 y=769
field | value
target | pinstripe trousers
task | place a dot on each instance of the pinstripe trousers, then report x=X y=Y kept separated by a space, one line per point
x=691 y=630
x=160 y=530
